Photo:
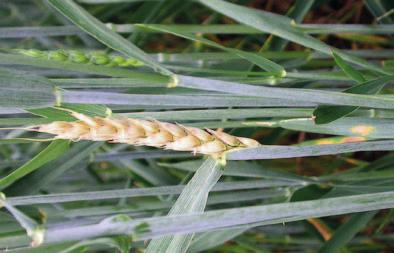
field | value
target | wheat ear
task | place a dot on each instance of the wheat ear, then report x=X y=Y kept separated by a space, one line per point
x=75 y=56
x=148 y=133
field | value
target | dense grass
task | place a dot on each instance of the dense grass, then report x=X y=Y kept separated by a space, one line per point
x=317 y=95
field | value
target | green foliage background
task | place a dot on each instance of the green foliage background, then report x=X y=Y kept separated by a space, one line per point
x=317 y=95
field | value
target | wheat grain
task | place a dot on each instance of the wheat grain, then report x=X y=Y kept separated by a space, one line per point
x=76 y=56
x=148 y=133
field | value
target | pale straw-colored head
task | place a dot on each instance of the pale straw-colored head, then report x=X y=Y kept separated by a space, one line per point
x=149 y=133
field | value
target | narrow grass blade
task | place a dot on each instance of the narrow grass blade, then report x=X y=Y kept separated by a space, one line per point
x=108 y=83
x=24 y=32
x=195 y=101
x=209 y=240
x=219 y=219
x=310 y=95
x=22 y=121
x=372 y=128
x=223 y=114
x=121 y=243
x=146 y=154
x=346 y=232
x=13 y=141
x=275 y=152
x=40 y=178
x=280 y=26
x=192 y=200
x=246 y=169
x=140 y=192
x=51 y=152
x=297 y=12
x=50 y=114
x=47 y=248
x=151 y=174
x=348 y=69
x=98 y=30
x=56 y=114
x=380 y=9
x=257 y=59
x=325 y=114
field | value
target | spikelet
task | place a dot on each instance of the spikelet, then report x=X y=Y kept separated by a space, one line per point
x=148 y=133
x=75 y=56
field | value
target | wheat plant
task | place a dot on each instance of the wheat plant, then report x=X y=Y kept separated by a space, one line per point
x=196 y=126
